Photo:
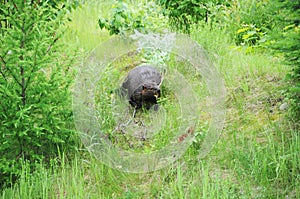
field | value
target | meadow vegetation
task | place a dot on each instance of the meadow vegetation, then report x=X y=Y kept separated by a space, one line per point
x=257 y=155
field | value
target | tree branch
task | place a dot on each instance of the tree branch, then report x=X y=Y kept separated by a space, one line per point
x=15 y=78
x=1 y=71
x=49 y=47
x=12 y=74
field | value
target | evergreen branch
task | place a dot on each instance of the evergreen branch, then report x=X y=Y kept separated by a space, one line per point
x=1 y=71
x=52 y=44
x=15 y=78
x=12 y=74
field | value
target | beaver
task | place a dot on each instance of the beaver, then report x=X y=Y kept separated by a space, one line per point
x=142 y=86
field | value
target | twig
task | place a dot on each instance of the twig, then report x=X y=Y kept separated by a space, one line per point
x=12 y=74
x=51 y=45
x=1 y=71
x=127 y=123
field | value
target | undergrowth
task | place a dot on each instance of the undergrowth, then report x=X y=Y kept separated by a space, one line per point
x=256 y=157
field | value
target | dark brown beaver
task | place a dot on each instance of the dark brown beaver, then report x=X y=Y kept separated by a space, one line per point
x=142 y=86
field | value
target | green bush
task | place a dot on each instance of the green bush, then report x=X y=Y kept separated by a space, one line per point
x=35 y=80
x=183 y=13
x=288 y=43
x=124 y=18
x=251 y=37
x=249 y=22
x=258 y=13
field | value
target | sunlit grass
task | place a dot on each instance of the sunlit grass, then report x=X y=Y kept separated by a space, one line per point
x=82 y=29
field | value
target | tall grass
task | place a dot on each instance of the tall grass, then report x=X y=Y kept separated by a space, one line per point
x=256 y=157
x=82 y=29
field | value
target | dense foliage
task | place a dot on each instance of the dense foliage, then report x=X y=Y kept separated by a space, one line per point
x=124 y=18
x=288 y=43
x=183 y=14
x=35 y=79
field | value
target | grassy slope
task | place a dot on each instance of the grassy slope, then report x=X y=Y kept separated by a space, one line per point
x=256 y=156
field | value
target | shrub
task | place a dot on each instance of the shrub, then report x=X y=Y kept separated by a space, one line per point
x=124 y=18
x=184 y=13
x=35 y=79
x=248 y=22
x=287 y=42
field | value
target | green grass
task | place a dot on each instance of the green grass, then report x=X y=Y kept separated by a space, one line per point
x=257 y=155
